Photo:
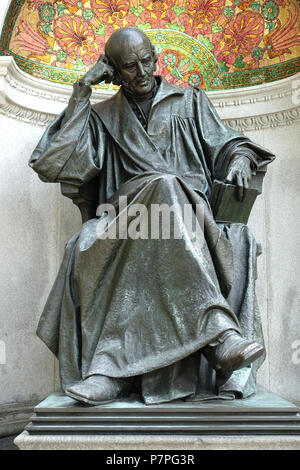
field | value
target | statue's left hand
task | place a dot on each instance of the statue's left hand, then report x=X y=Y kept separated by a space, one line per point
x=101 y=71
x=239 y=173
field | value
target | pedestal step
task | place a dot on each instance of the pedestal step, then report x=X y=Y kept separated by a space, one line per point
x=264 y=413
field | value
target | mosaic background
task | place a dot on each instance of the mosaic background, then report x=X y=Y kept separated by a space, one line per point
x=212 y=44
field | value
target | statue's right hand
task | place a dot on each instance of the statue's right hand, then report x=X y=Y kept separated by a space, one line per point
x=100 y=72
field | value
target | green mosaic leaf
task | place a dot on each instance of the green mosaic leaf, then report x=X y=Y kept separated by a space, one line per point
x=79 y=64
x=216 y=28
x=46 y=28
x=178 y=10
x=217 y=81
x=136 y=11
x=228 y=12
x=186 y=60
x=61 y=55
x=274 y=73
x=206 y=42
x=101 y=30
x=46 y=73
x=255 y=6
x=239 y=62
x=144 y=26
x=223 y=67
x=60 y=8
x=271 y=26
x=176 y=72
x=175 y=26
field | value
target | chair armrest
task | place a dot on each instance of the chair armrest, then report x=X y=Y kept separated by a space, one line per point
x=84 y=197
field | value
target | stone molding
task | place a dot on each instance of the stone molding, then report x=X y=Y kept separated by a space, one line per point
x=14 y=417
x=149 y=442
x=37 y=102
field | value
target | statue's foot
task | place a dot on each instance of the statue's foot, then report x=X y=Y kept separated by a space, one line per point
x=98 y=389
x=232 y=352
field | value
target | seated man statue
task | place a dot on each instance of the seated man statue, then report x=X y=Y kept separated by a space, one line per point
x=168 y=318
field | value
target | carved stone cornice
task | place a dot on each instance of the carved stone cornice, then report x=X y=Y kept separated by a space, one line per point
x=37 y=102
x=30 y=116
x=264 y=121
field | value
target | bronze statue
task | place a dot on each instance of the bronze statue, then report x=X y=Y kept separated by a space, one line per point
x=167 y=318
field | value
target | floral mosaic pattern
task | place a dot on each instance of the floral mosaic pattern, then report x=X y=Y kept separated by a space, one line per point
x=212 y=44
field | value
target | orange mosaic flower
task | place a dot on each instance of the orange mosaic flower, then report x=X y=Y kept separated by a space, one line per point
x=240 y=36
x=114 y=10
x=244 y=32
x=283 y=37
x=205 y=10
x=30 y=40
x=74 y=35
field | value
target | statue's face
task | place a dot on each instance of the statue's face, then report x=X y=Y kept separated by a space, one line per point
x=136 y=66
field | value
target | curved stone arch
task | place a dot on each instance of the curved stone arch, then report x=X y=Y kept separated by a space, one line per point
x=227 y=63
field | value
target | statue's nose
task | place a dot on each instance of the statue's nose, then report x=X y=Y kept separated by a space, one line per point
x=141 y=71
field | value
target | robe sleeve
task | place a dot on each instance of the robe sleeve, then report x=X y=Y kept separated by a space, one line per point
x=259 y=156
x=72 y=149
x=222 y=144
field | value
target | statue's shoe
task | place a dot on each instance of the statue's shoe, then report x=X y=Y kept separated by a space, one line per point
x=232 y=352
x=99 y=389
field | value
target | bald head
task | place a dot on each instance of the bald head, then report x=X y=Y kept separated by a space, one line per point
x=133 y=57
x=122 y=40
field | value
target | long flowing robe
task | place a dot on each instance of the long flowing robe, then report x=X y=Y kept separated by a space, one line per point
x=145 y=307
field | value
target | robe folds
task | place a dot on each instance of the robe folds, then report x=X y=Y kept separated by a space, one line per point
x=144 y=307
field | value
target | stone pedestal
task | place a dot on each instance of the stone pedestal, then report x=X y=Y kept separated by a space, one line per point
x=264 y=421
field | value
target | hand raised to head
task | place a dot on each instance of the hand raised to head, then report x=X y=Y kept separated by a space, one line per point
x=100 y=72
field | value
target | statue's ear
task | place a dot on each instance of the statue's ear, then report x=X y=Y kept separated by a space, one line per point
x=155 y=56
x=117 y=78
